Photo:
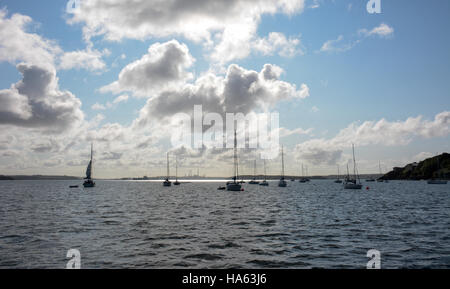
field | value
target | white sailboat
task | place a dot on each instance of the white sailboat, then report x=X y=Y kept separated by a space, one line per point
x=264 y=183
x=167 y=182
x=254 y=181
x=355 y=183
x=89 y=183
x=176 y=183
x=437 y=181
x=282 y=183
x=234 y=186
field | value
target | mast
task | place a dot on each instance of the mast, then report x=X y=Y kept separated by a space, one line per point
x=265 y=174
x=338 y=173
x=92 y=158
x=235 y=156
x=176 y=168
x=168 y=166
x=254 y=170
x=282 y=162
x=354 y=161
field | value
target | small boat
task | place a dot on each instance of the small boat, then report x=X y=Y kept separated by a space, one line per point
x=234 y=186
x=355 y=183
x=254 y=181
x=176 y=183
x=282 y=183
x=221 y=188
x=264 y=183
x=167 y=182
x=74 y=187
x=89 y=183
x=370 y=180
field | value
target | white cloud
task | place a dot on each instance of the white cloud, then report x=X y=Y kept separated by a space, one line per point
x=383 y=30
x=240 y=91
x=18 y=45
x=87 y=59
x=228 y=25
x=278 y=42
x=338 y=45
x=164 y=66
x=382 y=132
x=121 y=98
x=284 y=132
x=98 y=106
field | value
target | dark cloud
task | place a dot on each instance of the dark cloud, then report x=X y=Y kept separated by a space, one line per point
x=37 y=102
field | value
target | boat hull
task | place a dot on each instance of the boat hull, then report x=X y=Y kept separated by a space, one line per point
x=234 y=187
x=282 y=184
x=89 y=184
x=253 y=182
x=437 y=182
x=352 y=186
x=264 y=184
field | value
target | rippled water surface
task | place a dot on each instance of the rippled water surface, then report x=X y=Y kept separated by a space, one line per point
x=121 y=224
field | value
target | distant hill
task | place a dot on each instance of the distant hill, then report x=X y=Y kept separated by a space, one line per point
x=37 y=177
x=437 y=167
x=5 y=178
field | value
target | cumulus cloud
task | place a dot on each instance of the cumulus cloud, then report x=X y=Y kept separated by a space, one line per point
x=239 y=91
x=37 y=102
x=18 y=45
x=228 y=25
x=164 y=66
x=382 y=132
x=195 y=20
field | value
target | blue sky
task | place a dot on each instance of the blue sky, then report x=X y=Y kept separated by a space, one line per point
x=367 y=75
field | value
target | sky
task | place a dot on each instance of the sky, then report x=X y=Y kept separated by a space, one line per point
x=116 y=73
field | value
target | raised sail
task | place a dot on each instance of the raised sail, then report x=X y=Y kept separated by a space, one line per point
x=89 y=183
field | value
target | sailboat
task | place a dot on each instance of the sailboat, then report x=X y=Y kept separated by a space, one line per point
x=437 y=181
x=380 y=179
x=264 y=183
x=89 y=183
x=355 y=183
x=234 y=186
x=338 y=181
x=282 y=183
x=176 y=183
x=303 y=179
x=254 y=181
x=167 y=183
